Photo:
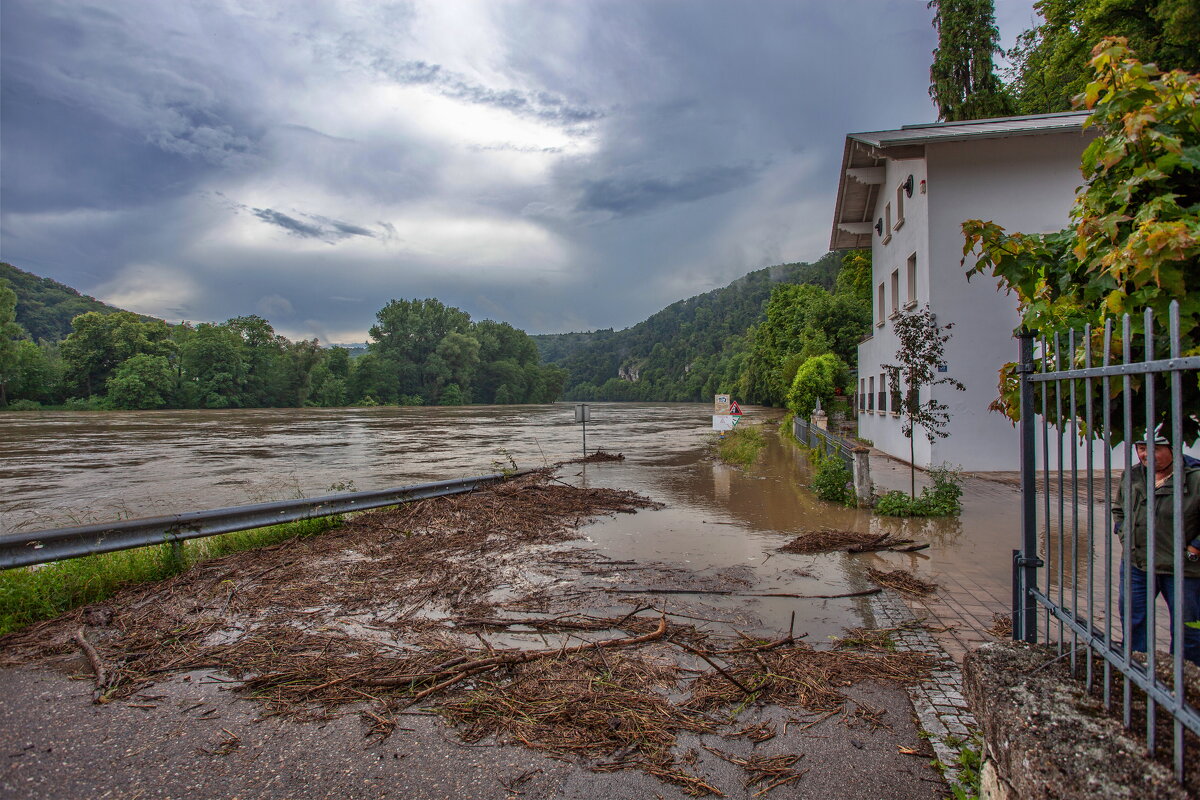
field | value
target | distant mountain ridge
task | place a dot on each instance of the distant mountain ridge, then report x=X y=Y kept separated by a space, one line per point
x=46 y=307
x=698 y=335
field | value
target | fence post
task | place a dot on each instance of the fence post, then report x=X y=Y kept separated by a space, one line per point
x=863 y=488
x=1026 y=562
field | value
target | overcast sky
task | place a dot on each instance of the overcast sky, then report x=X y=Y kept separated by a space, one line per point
x=560 y=166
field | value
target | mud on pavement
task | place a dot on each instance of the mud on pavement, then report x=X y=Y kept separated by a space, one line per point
x=465 y=646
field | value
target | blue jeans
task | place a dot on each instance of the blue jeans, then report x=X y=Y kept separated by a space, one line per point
x=1164 y=584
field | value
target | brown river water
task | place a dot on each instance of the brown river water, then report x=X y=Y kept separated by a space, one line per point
x=721 y=522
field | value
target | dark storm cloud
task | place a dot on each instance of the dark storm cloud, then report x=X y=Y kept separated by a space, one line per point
x=540 y=105
x=639 y=195
x=184 y=157
x=323 y=228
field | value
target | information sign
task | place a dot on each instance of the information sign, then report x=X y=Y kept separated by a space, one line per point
x=724 y=422
x=721 y=404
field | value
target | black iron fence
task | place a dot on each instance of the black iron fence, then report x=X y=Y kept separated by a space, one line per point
x=42 y=547
x=1092 y=562
x=828 y=442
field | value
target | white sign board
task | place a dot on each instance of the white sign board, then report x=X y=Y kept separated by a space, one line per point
x=724 y=422
x=583 y=412
x=721 y=404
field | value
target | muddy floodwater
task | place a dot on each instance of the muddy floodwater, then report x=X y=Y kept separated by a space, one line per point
x=61 y=468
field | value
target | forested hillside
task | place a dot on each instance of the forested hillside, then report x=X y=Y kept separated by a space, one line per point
x=46 y=307
x=747 y=338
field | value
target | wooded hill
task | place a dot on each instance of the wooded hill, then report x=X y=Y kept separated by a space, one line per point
x=738 y=339
x=46 y=307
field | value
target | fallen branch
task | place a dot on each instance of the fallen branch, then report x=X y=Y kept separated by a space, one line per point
x=97 y=665
x=863 y=593
x=717 y=667
x=457 y=672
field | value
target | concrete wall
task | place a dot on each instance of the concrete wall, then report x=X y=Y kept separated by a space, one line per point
x=1023 y=183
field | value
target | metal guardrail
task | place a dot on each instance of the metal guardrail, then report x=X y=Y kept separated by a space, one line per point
x=830 y=443
x=57 y=544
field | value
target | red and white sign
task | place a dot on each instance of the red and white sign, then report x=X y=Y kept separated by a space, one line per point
x=734 y=409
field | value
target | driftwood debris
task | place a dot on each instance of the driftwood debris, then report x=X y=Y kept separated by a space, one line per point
x=825 y=541
x=97 y=665
x=863 y=593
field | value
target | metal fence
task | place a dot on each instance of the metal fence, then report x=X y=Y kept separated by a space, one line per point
x=41 y=547
x=830 y=443
x=1078 y=397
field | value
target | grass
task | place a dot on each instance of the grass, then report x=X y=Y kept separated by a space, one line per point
x=30 y=594
x=741 y=446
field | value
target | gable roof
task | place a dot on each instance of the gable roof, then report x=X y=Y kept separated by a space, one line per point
x=856 y=199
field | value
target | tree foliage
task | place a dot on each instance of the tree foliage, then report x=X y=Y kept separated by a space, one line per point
x=1050 y=61
x=1134 y=242
x=819 y=378
x=963 y=80
x=11 y=335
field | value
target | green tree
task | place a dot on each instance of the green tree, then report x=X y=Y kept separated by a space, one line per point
x=854 y=278
x=142 y=382
x=10 y=336
x=963 y=81
x=1050 y=61
x=214 y=364
x=922 y=351
x=99 y=343
x=1135 y=239
x=818 y=378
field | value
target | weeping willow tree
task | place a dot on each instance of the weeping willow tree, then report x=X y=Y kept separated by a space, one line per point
x=963 y=81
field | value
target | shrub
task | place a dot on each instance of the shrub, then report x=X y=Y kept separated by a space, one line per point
x=832 y=479
x=943 y=499
x=24 y=405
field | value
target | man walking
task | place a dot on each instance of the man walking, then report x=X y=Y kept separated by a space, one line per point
x=1131 y=513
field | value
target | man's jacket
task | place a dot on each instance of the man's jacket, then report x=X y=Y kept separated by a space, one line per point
x=1129 y=513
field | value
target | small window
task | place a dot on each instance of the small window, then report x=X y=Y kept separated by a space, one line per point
x=887 y=223
x=912 y=280
x=896 y=409
x=871 y=395
x=862 y=394
x=882 y=393
x=895 y=292
x=879 y=306
x=899 y=207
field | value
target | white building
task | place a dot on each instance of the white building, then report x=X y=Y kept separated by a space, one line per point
x=905 y=194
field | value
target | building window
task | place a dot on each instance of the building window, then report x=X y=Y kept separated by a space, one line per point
x=882 y=394
x=896 y=409
x=895 y=292
x=899 y=207
x=912 y=281
x=879 y=308
x=862 y=394
x=887 y=223
x=871 y=395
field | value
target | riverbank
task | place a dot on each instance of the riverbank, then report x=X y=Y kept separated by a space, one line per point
x=490 y=612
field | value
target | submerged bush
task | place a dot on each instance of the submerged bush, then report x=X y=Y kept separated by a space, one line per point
x=832 y=479
x=741 y=446
x=943 y=499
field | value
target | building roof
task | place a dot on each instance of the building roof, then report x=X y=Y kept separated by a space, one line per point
x=868 y=151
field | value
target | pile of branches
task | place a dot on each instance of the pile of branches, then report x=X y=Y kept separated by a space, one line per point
x=902 y=581
x=827 y=540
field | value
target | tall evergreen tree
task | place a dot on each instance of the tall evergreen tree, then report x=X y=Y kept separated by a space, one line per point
x=963 y=80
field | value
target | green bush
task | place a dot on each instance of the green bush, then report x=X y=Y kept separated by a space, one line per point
x=832 y=479
x=93 y=403
x=24 y=405
x=943 y=499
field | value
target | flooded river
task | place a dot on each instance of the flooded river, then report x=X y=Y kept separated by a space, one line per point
x=61 y=468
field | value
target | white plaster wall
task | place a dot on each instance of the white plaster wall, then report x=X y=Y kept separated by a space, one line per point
x=1023 y=183
x=883 y=429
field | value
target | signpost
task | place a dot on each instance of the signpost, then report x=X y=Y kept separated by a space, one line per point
x=583 y=413
x=726 y=413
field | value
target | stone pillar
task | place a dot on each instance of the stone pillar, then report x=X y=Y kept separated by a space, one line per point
x=863 y=488
x=819 y=418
